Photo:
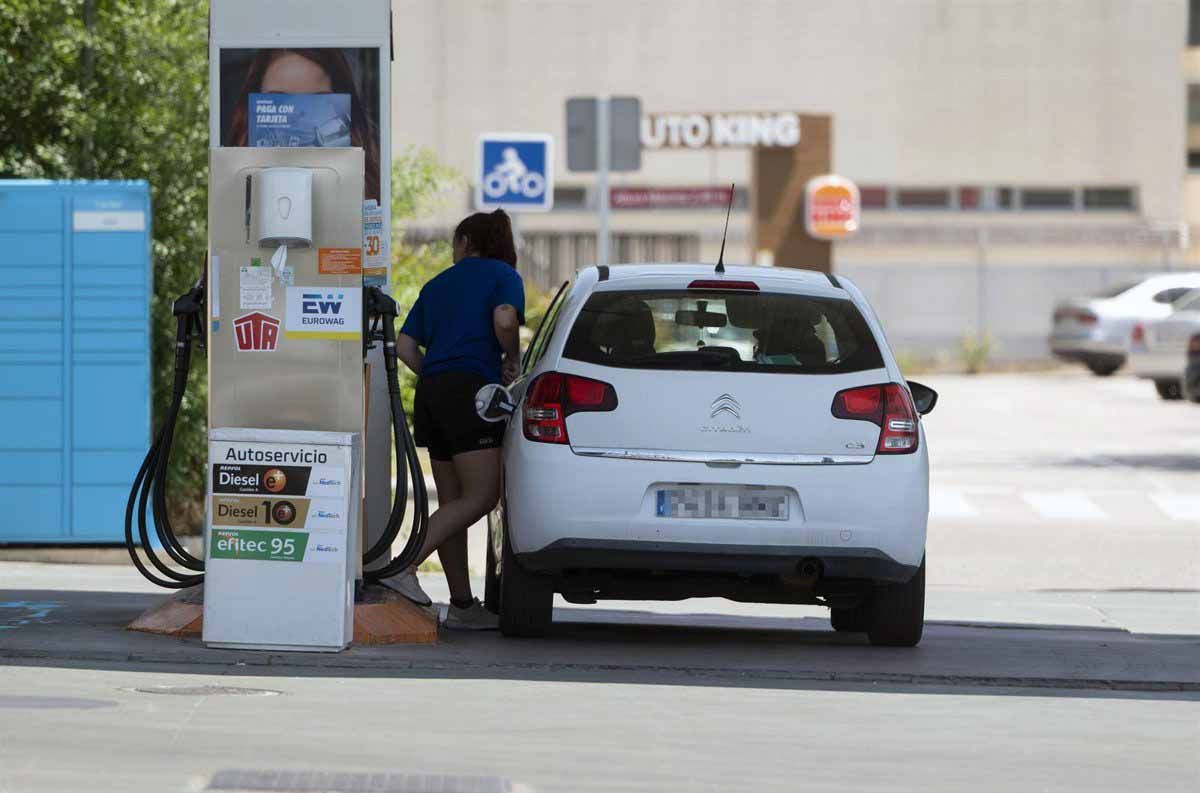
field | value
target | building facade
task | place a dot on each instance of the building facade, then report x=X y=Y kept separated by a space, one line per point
x=1036 y=135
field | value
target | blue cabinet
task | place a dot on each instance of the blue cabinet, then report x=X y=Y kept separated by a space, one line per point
x=75 y=286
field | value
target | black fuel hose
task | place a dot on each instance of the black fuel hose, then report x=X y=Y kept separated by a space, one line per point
x=383 y=309
x=148 y=495
x=149 y=486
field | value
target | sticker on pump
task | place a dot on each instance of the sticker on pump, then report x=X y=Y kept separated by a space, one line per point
x=323 y=312
x=322 y=481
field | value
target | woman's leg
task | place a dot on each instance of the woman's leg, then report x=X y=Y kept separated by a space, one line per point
x=478 y=474
x=452 y=552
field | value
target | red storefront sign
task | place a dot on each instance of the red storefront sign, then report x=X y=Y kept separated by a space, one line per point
x=669 y=197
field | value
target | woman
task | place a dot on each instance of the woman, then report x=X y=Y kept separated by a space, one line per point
x=308 y=71
x=467 y=319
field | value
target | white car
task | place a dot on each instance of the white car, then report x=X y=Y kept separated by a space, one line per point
x=1159 y=349
x=681 y=433
x=1096 y=330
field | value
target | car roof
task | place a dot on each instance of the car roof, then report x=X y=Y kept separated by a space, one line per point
x=677 y=275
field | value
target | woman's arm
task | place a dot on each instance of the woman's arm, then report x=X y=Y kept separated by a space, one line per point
x=507 y=325
x=408 y=351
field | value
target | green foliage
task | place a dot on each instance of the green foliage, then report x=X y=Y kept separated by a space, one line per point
x=419 y=185
x=975 y=353
x=118 y=89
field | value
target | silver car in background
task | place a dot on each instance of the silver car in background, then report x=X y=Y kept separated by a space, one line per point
x=1158 y=349
x=1096 y=331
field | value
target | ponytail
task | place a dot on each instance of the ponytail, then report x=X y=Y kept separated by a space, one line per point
x=490 y=235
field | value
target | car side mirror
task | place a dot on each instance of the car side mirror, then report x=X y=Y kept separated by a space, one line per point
x=924 y=397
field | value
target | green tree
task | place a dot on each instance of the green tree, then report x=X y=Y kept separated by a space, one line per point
x=118 y=89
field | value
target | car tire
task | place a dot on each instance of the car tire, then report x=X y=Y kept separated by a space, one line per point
x=1103 y=369
x=526 y=599
x=1169 y=389
x=896 y=612
x=849 y=620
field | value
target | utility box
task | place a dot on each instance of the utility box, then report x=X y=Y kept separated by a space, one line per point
x=74 y=357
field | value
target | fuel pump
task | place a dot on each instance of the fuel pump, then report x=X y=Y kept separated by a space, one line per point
x=287 y=327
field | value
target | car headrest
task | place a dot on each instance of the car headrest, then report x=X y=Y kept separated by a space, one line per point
x=791 y=336
x=626 y=324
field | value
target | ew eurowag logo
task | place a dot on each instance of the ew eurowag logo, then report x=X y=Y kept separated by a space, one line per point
x=257 y=332
x=321 y=303
x=324 y=313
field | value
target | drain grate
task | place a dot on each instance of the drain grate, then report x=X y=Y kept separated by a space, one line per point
x=334 y=782
x=207 y=691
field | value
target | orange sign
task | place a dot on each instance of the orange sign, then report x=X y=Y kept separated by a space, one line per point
x=339 y=261
x=832 y=208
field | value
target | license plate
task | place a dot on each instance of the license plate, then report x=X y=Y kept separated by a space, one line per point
x=730 y=502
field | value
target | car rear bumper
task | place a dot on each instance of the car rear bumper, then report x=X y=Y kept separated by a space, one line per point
x=554 y=496
x=1087 y=350
x=590 y=554
x=1152 y=365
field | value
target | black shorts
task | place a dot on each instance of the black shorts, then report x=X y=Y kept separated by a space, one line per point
x=444 y=417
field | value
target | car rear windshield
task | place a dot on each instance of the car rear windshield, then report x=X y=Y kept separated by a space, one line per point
x=720 y=330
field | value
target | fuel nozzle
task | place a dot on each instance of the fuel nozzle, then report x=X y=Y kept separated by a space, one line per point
x=381 y=312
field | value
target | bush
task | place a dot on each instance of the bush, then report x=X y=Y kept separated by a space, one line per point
x=119 y=90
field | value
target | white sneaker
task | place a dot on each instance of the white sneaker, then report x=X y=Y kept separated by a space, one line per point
x=405 y=582
x=473 y=618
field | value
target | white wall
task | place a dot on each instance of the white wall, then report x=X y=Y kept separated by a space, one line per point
x=922 y=91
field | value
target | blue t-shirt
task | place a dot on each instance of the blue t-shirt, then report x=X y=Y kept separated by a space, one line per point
x=453 y=316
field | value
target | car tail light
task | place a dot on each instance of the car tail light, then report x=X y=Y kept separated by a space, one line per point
x=746 y=286
x=1194 y=345
x=888 y=406
x=553 y=396
x=1080 y=315
x=1139 y=334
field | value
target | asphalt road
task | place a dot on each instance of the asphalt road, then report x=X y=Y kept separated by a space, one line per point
x=1062 y=653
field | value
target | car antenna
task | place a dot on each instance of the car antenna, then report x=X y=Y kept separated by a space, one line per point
x=724 y=234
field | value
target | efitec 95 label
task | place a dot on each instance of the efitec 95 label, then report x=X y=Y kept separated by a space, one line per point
x=271 y=546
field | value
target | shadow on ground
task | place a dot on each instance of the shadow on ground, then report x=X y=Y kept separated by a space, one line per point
x=597 y=645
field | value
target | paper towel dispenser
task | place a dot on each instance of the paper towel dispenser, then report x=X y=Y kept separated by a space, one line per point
x=284 y=207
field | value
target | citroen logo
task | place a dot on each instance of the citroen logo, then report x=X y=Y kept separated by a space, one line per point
x=726 y=404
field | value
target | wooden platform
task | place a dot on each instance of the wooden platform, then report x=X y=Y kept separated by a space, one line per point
x=383 y=617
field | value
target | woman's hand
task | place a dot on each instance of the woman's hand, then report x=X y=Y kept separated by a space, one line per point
x=510 y=369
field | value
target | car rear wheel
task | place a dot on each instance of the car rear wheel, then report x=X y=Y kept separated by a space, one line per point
x=1102 y=369
x=849 y=620
x=896 y=613
x=1169 y=389
x=526 y=599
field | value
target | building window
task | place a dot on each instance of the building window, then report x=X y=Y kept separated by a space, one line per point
x=1194 y=23
x=1047 y=198
x=570 y=197
x=873 y=197
x=1004 y=198
x=1109 y=198
x=922 y=198
x=968 y=197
